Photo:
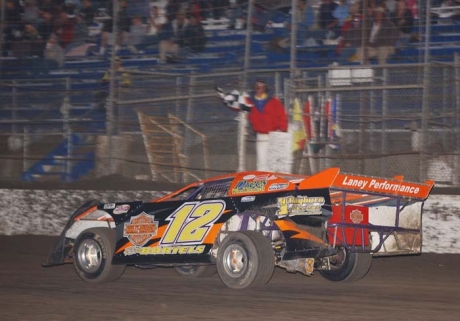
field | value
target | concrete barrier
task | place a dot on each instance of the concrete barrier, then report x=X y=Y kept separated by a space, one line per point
x=45 y=212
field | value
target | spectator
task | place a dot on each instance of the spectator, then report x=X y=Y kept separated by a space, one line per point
x=390 y=5
x=13 y=14
x=12 y=26
x=137 y=32
x=80 y=36
x=103 y=5
x=31 y=12
x=379 y=39
x=404 y=20
x=50 y=6
x=353 y=21
x=341 y=13
x=413 y=6
x=54 y=52
x=30 y=33
x=64 y=28
x=195 y=37
x=172 y=7
x=29 y=44
x=71 y=6
x=306 y=35
x=305 y=20
x=87 y=12
x=172 y=37
x=195 y=10
x=138 y=8
x=219 y=8
x=46 y=26
x=235 y=12
x=327 y=22
x=267 y=115
x=156 y=21
x=123 y=24
x=154 y=26
x=122 y=78
x=260 y=18
x=125 y=79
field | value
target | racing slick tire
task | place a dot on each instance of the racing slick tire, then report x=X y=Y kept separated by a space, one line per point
x=196 y=271
x=348 y=266
x=245 y=259
x=93 y=253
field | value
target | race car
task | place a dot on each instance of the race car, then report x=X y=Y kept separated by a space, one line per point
x=242 y=225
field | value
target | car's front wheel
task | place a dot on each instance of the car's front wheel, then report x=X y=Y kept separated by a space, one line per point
x=245 y=259
x=93 y=253
x=348 y=266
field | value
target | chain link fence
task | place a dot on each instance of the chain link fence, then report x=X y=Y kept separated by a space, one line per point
x=169 y=125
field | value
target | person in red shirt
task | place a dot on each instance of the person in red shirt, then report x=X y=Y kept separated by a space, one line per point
x=267 y=115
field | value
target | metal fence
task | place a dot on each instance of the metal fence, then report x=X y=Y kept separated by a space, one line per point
x=391 y=120
x=169 y=124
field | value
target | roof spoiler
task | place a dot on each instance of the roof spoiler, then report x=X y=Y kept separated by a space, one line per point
x=396 y=186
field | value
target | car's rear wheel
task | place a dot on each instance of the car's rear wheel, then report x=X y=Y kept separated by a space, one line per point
x=245 y=259
x=93 y=253
x=348 y=266
x=196 y=271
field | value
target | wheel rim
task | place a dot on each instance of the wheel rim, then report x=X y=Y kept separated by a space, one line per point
x=90 y=255
x=235 y=261
x=187 y=269
x=339 y=258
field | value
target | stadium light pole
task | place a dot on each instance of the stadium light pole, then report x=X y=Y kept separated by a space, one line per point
x=110 y=117
x=242 y=121
x=426 y=96
x=2 y=38
x=292 y=64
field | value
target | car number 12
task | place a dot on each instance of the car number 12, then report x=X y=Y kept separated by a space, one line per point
x=191 y=222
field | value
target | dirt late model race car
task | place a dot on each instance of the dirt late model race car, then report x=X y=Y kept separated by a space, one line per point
x=242 y=225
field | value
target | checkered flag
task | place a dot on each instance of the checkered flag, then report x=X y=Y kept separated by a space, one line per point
x=234 y=100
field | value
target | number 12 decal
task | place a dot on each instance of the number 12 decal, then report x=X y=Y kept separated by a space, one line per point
x=191 y=222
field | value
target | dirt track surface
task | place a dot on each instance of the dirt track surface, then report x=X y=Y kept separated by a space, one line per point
x=425 y=287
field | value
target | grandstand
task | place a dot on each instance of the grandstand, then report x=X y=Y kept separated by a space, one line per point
x=56 y=104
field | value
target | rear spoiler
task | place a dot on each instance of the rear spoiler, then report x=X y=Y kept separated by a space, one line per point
x=394 y=187
x=373 y=214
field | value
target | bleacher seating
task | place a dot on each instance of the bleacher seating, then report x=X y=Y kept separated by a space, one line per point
x=225 y=48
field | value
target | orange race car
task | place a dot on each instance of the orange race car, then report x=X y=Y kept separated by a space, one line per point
x=242 y=225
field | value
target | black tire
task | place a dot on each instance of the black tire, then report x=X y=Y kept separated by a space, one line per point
x=93 y=253
x=196 y=271
x=348 y=266
x=254 y=264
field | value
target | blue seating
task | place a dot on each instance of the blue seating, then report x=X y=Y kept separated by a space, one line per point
x=55 y=163
x=225 y=48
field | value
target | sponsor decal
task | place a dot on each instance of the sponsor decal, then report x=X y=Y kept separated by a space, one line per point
x=247 y=199
x=278 y=186
x=249 y=187
x=191 y=222
x=265 y=177
x=140 y=229
x=165 y=250
x=121 y=209
x=356 y=216
x=380 y=185
x=109 y=206
x=359 y=183
x=300 y=205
